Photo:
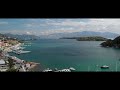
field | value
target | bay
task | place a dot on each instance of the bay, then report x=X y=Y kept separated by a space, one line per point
x=65 y=53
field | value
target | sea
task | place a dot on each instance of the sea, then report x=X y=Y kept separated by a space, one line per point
x=84 y=56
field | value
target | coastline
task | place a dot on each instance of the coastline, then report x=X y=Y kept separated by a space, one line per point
x=26 y=65
x=33 y=65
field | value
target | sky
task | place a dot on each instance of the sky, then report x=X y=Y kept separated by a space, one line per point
x=52 y=26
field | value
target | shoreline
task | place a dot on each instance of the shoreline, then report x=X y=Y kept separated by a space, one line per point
x=33 y=65
x=28 y=65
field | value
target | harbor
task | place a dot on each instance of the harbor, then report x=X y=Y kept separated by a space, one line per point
x=58 y=56
x=13 y=63
x=20 y=52
x=71 y=69
x=89 y=59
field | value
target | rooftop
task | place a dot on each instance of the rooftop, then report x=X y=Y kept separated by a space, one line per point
x=2 y=61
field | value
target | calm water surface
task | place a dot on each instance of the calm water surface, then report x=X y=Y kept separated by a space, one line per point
x=65 y=53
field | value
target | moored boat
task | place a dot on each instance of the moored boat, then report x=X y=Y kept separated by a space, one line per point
x=47 y=70
x=72 y=69
x=104 y=67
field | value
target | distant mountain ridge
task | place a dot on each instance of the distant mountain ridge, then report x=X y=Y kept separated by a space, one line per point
x=108 y=35
x=82 y=34
x=22 y=36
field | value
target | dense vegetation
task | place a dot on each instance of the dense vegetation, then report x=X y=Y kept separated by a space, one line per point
x=92 y=38
x=95 y=38
x=112 y=43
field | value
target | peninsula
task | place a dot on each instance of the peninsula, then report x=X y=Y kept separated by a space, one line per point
x=112 y=43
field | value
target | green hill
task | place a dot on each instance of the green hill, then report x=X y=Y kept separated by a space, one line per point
x=112 y=43
x=90 y=38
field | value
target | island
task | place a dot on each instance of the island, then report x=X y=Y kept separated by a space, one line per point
x=112 y=43
x=90 y=38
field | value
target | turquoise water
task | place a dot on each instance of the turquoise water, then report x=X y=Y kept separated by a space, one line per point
x=65 y=53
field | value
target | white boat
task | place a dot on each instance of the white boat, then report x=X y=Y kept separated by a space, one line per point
x=47 y=70
x=20 y=52
x=104 y=66
x=72 y=69
x=24 y=51
x=63 y=70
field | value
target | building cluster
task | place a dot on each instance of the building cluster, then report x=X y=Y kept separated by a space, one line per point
x=7 y=62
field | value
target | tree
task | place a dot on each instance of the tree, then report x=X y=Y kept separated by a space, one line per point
x=11 y=63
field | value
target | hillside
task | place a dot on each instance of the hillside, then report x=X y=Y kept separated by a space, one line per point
x=91 y=38
x=112 y=43
x=94 y=38
x=23 y=36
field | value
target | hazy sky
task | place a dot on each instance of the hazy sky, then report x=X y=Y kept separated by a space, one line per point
x=50 y=26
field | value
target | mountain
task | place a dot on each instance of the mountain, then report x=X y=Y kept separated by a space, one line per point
x=102 y=34
x=60 y=35
x=81 y=34
x=22 y=36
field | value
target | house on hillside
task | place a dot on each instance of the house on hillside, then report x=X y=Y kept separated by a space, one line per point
x=3 y=66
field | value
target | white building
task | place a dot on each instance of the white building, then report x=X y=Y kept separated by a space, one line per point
x=2 y=62
x=3 y=66
x=27 y=65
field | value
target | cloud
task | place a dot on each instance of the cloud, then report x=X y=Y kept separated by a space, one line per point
x=67 y=22
x=3 y=23
x=29 y=33
x=51 y=26
x=32 y=25
x=102 y=25
x=72 y=25
x=55 y=31
x=90 y=22
x=111 y=25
